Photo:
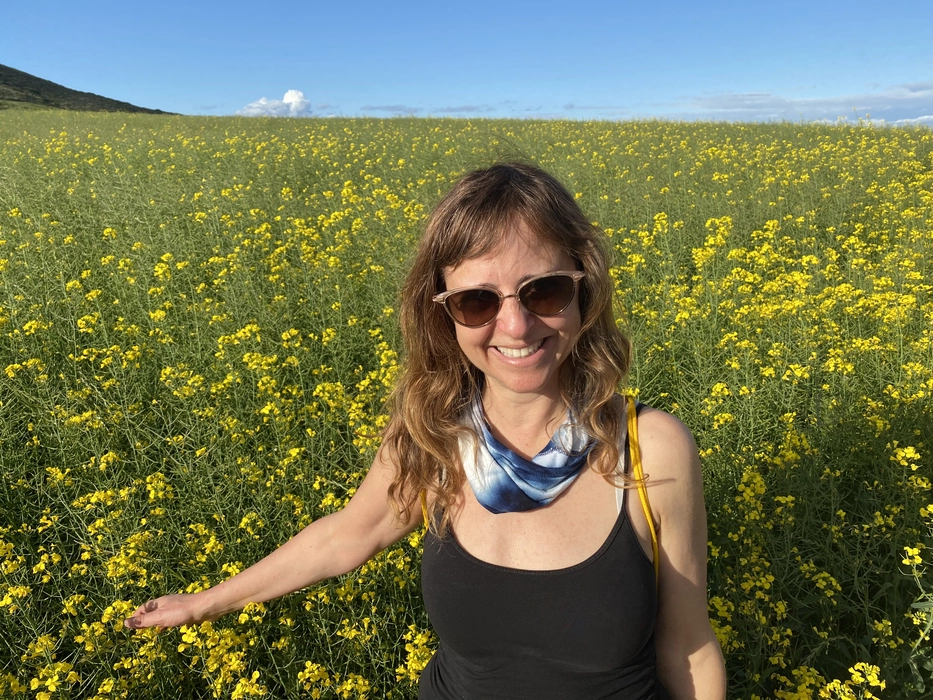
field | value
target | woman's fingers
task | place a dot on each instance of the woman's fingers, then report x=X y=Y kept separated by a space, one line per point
x=138 y=619
x=168 y=611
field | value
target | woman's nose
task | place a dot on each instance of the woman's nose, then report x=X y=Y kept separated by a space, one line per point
x=513 y=318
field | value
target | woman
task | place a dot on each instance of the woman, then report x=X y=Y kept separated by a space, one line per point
x=541 y=576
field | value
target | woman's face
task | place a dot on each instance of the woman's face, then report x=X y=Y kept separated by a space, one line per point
x=518 y=352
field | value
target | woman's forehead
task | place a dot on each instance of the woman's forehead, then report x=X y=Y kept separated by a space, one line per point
x=520 y=253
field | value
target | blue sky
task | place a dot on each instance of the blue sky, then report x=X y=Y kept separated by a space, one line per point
x=583 y=59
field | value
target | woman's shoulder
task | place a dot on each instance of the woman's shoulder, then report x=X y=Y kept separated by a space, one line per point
x=655 y=424
x=668 y=449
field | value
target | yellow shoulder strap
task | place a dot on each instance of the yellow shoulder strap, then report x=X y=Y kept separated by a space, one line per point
x=424 y=507
x=639 y=475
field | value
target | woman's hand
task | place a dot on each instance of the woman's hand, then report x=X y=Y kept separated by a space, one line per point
x=333 y=545
x=168 y=611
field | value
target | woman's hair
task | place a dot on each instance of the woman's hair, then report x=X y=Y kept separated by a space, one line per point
x=437 y=381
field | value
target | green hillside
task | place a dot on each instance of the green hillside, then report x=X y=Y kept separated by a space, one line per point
x=22 y=90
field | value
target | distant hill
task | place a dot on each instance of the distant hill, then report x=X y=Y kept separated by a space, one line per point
x=19 y=89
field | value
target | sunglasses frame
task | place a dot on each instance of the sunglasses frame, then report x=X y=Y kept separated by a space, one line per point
x=575 y=275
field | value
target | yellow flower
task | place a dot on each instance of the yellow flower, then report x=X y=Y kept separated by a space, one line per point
x=912 y=557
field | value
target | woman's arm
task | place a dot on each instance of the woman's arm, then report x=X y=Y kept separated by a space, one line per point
x=690 y=662
x=333 y=545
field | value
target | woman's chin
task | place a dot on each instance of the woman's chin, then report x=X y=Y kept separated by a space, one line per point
x=527 y=384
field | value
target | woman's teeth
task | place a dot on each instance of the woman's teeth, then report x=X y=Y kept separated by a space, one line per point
x=520 y=352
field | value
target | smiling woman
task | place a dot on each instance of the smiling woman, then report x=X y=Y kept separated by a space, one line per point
x=497 y=229
x=541 y=578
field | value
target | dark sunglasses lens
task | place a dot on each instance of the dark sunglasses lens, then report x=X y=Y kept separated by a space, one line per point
x=474 y=307
x=548 y=296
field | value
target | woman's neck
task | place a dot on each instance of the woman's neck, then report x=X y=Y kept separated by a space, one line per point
x=524 y=423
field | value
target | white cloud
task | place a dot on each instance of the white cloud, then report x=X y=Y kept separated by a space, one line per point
x=895 y=103
x=396 y=110
x=927 y=119
x=465 y=109
x=293 y=104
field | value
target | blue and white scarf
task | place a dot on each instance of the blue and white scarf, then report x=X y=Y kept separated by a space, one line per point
x=505 y=482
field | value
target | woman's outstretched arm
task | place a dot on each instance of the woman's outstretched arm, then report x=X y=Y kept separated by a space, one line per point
x=333 y=545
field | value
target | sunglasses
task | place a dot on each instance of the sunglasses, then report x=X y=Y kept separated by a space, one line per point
x=544 y=295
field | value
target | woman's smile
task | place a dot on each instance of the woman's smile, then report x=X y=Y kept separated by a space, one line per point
x=515 y=353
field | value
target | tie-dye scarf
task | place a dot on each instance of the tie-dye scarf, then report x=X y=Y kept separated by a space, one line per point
x=504 y=482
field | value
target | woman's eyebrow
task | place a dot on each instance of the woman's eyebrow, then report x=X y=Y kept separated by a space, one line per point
x=559 y=268
x=521 y=280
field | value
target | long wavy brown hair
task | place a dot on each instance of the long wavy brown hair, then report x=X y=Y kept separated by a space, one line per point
x=437 y=381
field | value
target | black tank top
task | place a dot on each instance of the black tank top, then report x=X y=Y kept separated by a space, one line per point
x=579 y=633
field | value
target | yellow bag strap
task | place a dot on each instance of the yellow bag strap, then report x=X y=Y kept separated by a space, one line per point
x=424 y=507
x=639 y=475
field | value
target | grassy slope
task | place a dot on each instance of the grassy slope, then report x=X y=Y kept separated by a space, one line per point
x=20 y=89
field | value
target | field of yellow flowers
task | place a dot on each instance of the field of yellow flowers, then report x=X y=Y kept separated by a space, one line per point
x=198 y=331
